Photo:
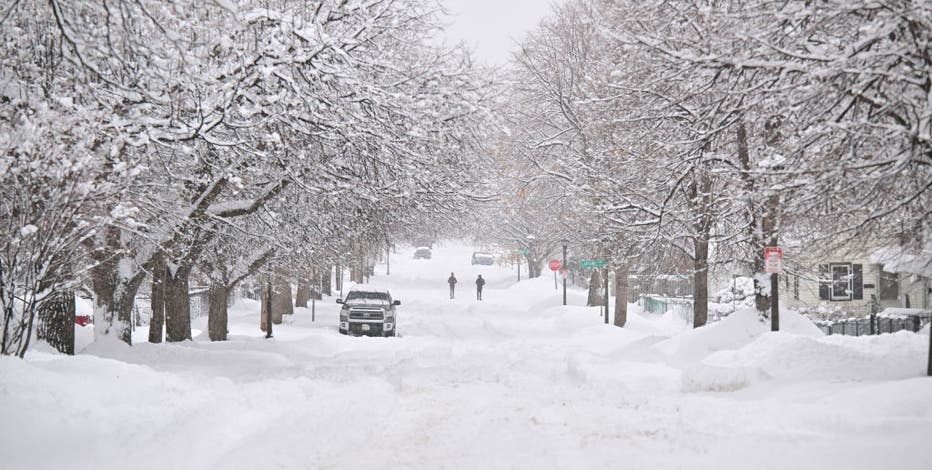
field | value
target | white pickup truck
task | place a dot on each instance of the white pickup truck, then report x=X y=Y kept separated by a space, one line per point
x=368 y=312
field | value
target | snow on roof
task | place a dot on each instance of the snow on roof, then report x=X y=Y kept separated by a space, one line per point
x=423 y=248
x=897 y=260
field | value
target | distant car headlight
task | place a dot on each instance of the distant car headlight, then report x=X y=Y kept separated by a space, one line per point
x=344 y=317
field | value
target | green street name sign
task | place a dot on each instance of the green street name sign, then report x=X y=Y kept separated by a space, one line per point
x=591 y=263
x=523 y=252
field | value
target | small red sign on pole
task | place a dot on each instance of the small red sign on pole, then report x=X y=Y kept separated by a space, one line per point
x=773 y=259
x=554 y=264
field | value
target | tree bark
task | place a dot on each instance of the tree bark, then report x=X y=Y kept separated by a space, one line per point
x=621 y=296
x=768 y=238
x=56 y=321
x=701 y=205
x=356 y=273
x=326 y=274
x=264 y=301
x=217 y=313
x=281 y=298
x=595 y=289
x=157 y=301
x=113 y=294
x=338 y=277
x=701 y=282
x=177 y=306
x=303 y=293
x=755 y=235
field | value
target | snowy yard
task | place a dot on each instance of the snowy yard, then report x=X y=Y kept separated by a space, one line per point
x=514 y=381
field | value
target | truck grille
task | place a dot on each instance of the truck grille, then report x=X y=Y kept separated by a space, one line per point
x=375 y=329
x=366 y=314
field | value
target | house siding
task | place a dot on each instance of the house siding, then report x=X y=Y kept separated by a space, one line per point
x=916 y=287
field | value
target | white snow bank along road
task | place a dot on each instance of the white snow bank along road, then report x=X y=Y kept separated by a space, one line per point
x=515 y=381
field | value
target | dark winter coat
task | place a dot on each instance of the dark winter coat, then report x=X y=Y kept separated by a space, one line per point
x=451 y=281
x=479 y=283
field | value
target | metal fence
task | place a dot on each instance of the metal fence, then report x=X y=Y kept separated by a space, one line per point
x=655 y=304
x=199 y=299
x=873 y=325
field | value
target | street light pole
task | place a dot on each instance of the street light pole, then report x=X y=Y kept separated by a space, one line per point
x=565 y=242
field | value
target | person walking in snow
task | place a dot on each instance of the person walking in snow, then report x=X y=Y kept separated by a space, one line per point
x=452 y=282
x=479 y=283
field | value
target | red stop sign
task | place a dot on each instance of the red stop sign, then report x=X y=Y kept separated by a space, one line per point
x=554 y=264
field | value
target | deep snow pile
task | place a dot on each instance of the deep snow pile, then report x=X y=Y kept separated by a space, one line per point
x=514 y=381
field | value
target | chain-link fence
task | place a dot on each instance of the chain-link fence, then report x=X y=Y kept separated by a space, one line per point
x=872 y=325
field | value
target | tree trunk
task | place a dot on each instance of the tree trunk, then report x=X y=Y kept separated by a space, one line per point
x=217 y=313
x=701 y=282
x=113 y=294
x=281 y=298
x=157 y=301
x=621 y=296
x=303 y=293
x=768 y=238
x=177 y=306
x=56 y=321
x=326 y=274
x=338 y=277
x=264 y=301
x=761 y=300
x=595 y=289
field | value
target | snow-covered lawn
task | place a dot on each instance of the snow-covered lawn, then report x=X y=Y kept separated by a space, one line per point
x=515 y=381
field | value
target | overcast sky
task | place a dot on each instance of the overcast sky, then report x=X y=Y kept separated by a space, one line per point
x=491 y=28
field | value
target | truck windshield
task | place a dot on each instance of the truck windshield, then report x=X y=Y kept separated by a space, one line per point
x=368 y=297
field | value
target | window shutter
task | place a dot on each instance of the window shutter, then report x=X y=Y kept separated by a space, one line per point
x=825 y=277
x=857 y=281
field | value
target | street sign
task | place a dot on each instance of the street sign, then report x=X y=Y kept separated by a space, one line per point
x=591 y=263
x=524 y=252
x=773 y=259
x=554 y=264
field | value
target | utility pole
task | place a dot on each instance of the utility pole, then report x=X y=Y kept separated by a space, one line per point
x=565 y=267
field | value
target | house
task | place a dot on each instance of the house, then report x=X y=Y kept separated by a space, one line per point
x=857 y=284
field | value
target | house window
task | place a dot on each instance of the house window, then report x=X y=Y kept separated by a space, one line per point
x=841 y=281
x=889 y=285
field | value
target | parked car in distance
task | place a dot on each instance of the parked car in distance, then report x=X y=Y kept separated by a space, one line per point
x=422 y=252
x=368 y=312
x=486 y=259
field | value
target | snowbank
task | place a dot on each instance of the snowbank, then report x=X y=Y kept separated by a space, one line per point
x=804 y=358
x=515 y=381
x=732 y=332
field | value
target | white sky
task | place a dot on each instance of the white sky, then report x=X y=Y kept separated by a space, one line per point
x=492 y=28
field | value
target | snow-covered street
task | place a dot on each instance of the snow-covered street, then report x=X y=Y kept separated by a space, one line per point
x=514 y=381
